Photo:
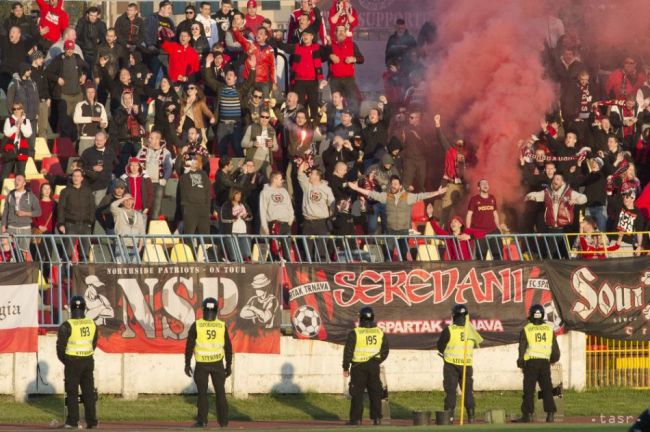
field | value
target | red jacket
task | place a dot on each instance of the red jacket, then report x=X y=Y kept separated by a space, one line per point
x=306 y=62
x=183 y=61
x=457 y=250
x=54 y=18
x=342 y=50
x=343 y=20
x=564 y=212
x=619 y=85
x=265 y=69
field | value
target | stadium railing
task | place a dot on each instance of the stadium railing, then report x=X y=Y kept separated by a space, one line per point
x=56 y=254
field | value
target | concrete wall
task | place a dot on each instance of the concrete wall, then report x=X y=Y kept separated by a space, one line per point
x=303 y=366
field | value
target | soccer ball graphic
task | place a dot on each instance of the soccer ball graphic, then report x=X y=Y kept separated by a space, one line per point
x=306 y=321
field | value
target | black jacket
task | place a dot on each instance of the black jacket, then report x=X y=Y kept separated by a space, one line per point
x=375 y=137
x=62 y=336
x=90 y=157
x=194 y=189
x=129 y=32
x=118 y=128
x=222 y=185
x=191 y=342
x=90 y=35
x=40 y=78
x=213 y=83
x=28 y=28
x=76 y=206
x=12 y=55
x=348 y=350
x=54 y=71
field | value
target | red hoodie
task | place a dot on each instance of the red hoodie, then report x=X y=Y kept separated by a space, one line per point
x=54 y=18
x=183 y=61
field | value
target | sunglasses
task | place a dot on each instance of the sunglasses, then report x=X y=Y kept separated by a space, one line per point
x=257 y=96
x=189 y=12
x=17 y=108
x=265 y=117
x=191 y=88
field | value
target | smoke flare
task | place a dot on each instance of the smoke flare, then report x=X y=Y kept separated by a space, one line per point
x=488 y=82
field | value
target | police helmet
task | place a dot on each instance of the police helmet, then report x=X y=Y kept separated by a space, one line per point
x=459 y=310
x=536 y=312
x=367 y=314
x=77 y=307
x=210 y=309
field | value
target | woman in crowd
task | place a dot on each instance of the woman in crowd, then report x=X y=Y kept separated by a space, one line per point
x=193 y=111
x=236 y=217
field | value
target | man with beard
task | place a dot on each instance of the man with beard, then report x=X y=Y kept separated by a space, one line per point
x=559 y=200
x=398 y=209
x=482 y=215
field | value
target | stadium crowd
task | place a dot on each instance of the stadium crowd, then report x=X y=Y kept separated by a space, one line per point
x=185 y=122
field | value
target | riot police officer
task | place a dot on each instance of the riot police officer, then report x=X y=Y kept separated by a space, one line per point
x=456 y=354
x=209 y=342
x=538 y=349
x=75 y=344
x=365 y=349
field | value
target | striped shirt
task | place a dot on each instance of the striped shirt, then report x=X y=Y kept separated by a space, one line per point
x=229 y=104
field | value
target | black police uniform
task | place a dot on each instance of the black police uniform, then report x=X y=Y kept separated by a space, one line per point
x=537 y=370
x=78 y=370
x=452 y=375
x=364 y=375
x=205 y=371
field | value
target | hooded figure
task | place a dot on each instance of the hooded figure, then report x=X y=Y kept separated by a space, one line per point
x=127 y=129
x=22 y=89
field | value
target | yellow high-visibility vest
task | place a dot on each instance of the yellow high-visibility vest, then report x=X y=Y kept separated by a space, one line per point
x=80 y=343
x=368 y=344
x=455 y=349
x=210 y=340
x=540 y=341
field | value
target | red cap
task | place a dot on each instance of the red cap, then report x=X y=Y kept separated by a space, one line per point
x=68 y=45
x=251 y=3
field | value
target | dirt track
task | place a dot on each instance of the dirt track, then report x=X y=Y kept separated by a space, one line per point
x=235 y=425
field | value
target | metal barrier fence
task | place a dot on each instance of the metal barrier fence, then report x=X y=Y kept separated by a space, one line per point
x=616 y=363
x=608 y=362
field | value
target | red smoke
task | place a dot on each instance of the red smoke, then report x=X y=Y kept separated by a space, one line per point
x=488 y=83
x=609 y=30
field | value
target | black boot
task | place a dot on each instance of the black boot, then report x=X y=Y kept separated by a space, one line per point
x=470 y=415
x=450 y=414
x=550 y=417
x=525 y=418
x=199 y=424
x=376 y=422
x=353 y=423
